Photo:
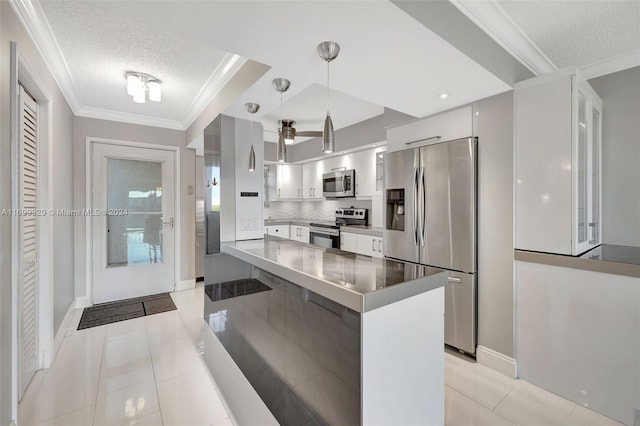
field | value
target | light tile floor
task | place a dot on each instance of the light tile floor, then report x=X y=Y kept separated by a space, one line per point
x=148 y=372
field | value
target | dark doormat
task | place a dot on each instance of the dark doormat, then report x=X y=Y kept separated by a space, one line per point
x=107 y=313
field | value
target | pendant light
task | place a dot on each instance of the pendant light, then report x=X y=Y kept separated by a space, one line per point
x=281 y=85
x=251 y=109
x=328 y=51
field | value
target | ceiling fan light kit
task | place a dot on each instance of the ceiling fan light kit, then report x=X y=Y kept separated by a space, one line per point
x=138 y=84
x=251 y=108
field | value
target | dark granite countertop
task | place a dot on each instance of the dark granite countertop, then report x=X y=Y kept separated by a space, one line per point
x=361 y=283
x=606 y=258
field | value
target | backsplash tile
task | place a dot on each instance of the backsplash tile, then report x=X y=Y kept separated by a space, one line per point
x=317 y=209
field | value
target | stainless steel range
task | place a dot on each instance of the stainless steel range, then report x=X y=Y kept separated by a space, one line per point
x=327 y=234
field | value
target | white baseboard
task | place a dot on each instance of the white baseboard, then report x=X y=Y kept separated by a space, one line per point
x=62 y=330
x=83 y=302
x=497 y=361
x=186 y=285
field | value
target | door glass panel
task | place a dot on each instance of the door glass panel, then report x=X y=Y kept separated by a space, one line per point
x=582 y=168
x=134 y=204
x=595 y=177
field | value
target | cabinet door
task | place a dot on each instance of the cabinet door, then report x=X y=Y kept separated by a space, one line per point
x=581 y=169
x=595 y=175
x=367 y=245
x=365 y=162
x=299 y=233
x=304 y=234
x=348 y=242
x=312 y=180
x=289 y=181
x=446 y=126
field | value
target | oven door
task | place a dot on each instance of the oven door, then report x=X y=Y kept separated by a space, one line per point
x=325 y=237
x=339 y=184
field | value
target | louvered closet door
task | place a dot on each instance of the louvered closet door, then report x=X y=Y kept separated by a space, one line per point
x=28 y=240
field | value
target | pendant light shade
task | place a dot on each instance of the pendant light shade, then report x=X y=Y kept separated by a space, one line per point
x=251 y=108
x=252 y=159
x=328 y=139
x=281 y=154
x=281 y=85
x=328 y=51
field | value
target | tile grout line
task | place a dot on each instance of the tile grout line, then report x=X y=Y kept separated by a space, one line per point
x=503 y=398
x=95 y=402
x=153 y=368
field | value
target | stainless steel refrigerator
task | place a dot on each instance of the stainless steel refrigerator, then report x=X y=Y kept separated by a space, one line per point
x=430 y=219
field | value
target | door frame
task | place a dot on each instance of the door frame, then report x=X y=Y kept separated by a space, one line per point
x=90 y=140
x=24 y=73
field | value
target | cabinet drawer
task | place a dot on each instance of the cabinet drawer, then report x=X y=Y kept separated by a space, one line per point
x=442 y=127
x=277 y=230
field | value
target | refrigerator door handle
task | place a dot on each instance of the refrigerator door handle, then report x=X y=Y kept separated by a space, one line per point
x=415 y=206
x=423 y=207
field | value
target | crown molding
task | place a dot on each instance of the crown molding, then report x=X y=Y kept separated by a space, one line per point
x=223 y=73
x=493 y=20
x=124 y=117
x=611 y=65
x=37 y=26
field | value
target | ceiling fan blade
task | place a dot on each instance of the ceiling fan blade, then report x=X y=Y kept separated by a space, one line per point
x=308 y=133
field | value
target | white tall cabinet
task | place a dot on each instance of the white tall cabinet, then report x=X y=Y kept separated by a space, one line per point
x=558 y=140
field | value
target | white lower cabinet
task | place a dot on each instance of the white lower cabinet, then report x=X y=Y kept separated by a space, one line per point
x=348 y=242
x=299 y=233
x=281 y=231
x=368 y=245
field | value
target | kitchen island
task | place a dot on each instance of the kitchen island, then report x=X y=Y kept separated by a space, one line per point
x=325 y=336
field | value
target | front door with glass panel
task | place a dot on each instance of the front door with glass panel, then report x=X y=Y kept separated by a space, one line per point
x=132 y=214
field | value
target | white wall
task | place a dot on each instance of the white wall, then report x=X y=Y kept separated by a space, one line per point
x=620 y=93
x=494 y=127
x=61 y=178
x=90 y=127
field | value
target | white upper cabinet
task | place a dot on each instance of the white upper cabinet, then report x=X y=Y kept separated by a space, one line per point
x=446 y=126
x=312 y=179
x=289 y=181
x=339 y=162
x=558 y=140
x=366 y=175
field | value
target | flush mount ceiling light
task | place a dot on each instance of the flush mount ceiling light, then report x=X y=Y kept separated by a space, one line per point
x=328 y=51
x=138 y=84
x=251 y=109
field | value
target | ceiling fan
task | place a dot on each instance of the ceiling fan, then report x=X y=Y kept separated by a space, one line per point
x=286 y=129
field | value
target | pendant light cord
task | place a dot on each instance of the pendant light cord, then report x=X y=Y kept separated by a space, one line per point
x=328 y=97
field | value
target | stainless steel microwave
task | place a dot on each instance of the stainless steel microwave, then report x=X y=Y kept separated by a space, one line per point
x=339 y=184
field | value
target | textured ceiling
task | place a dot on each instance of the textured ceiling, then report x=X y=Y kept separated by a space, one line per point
x=387 y=57
x=99 y=47
x=578 y=32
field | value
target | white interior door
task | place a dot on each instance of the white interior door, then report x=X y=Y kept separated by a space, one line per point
x=133 y=204
x=27 y=241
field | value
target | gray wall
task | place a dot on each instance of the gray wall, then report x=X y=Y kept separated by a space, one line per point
x=365 y=132
x=90 y=127
x=61 y=178
x=620 y=93
x=494 y=127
